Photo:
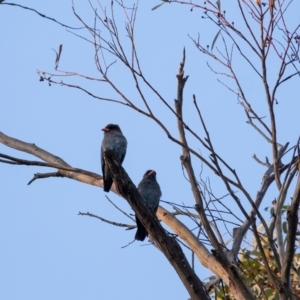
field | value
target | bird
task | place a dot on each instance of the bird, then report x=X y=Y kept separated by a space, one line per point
x=150 y=191
x=113 y=140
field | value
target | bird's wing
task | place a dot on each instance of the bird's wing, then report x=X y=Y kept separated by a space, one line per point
x=102 y=163
x=123 y=156
x=123 y=142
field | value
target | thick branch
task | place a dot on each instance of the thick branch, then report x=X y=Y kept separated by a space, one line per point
x=52 y=161
x=167 y=244
x=206 y=258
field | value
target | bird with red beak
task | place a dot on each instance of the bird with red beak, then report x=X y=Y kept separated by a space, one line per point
x=151 y=193
x=113 y=140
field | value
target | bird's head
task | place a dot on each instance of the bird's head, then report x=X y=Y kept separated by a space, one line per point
x=111 y=127
x=151 y=174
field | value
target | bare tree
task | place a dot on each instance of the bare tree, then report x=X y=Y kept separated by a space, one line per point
x=273 y=43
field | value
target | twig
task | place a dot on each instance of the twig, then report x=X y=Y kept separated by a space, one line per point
x=104 y=220
x=40 y=14
x=119 y=209
x=271 y=275
x=45 y=175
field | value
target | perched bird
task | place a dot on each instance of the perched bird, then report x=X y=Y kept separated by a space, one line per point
x=115 y=141
x=150 y=192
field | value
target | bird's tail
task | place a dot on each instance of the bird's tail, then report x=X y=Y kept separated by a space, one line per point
x=141 y=232
x=107 y=184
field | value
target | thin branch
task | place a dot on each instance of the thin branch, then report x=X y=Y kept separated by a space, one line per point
x=45 y=175
x=119 y=209
x=105 y=220
x=185 y=158
x=237 y=283
x=291 y=235
x=41 y=15
x=271 y=276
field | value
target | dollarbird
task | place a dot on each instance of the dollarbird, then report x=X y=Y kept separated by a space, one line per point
x=149 y=189
x=113 y=140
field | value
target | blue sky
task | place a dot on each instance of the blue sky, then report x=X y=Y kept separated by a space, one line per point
x=47 y=251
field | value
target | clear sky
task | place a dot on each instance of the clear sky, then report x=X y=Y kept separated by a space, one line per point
x=49 y=252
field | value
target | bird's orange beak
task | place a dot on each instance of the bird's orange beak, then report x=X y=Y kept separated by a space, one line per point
x=105 y=129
